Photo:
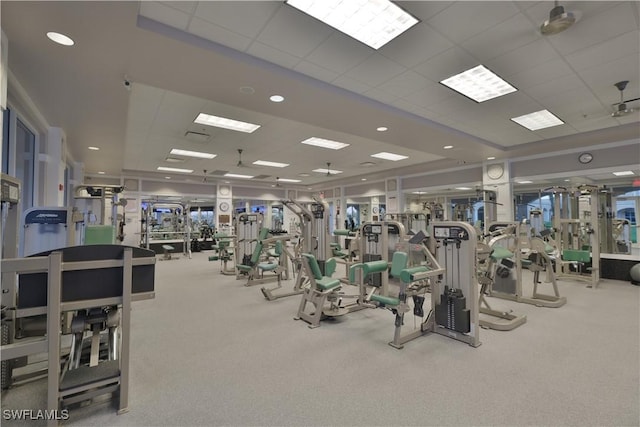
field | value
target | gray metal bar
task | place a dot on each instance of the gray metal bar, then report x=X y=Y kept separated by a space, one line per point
x=25 y=265
x=19 y=349
x=28 y=312
x=53 y=331
x=125 y=324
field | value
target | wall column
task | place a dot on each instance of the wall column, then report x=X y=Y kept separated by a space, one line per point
x=496 y=177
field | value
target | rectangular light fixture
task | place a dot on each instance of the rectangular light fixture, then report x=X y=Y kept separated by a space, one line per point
x=222 y=122
x=463 y=188
x=538 y=120
x=272 y=164
x=325 y=143
x=479 y=83
x=389 y=156
x=623 y=173
x=329 y=171
x=418 y=192
x=373 y=22
x=288 y=180
x=235 y=175
x=525 y=182
x=187 y=153
x=166 y=169
x=174 y=160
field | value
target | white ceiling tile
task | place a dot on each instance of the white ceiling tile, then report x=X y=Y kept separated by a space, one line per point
x=350 y=84
x=605 y=52
x=165 y=14
x=555 y=131
x=594 y=29
x=542 y=73
x=424 y=9
x=428 y=95
x=504 y=37
x=404 y=84
x=375 y=70
x=446 y=64
x=185 y=6
x=339 y=53
x=315 y=71
x=246 y=18
x=217 y=34
x=523 y=58
x=555 y=87
x=602 y=77
x=465 y=19
x=273 y=55
x=294 y=32
x=380 y=95
x=415 y=46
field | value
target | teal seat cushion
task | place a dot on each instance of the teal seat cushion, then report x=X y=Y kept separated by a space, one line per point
x=327 y=283
x=374 y=267
x=398 y=263
x=407 y=274
x=267 y=266
x=385 y=300
x=576 y=255
x=499 y=252
x=242 y=267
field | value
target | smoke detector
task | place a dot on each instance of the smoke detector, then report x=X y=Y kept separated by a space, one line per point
x=558 y=21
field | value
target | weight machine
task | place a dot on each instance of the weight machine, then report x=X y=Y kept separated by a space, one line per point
x=162 y=234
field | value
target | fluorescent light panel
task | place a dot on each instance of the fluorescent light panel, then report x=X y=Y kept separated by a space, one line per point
x=187 y=153
x=222 y=122
x=272 y=164
x=288 y=180
x=479 y=83
x=235 y=175
x=325 y=143
x=419 y=192
x=166 y=169
x=623 y=173
x=463 y=188
x=389 y=156
x=538 y=120
x=374 y=22
x=525 y=182
x=325 y=170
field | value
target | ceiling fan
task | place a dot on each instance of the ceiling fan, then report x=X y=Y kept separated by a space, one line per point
x=240 y=164
x=558 y=21
x=621 y=108
x=328 y=168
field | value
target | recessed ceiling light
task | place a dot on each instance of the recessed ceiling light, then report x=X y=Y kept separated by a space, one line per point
x=419 y=192
x=235 y=175
x=363 y=179
x=491 y=158
x=167 y=177
x=93 y=148
x=479 y=83
x=329 y=171
x=448 y=147
x=166 y=169
x=288 y=180
x=538 y=120
x=247 y=90
x=276 y=98
x=623 y=173
x=174 y=160
x=567 y=180
x=272 y=164
x=374 y=22
x=382 y=129
x=222 y=122
x=389 y=156
x=101 y=172
x=367 y=164
x=197 y=154
x=60 y=38
x=463 y=188
x=325 y=143
x=525 y=182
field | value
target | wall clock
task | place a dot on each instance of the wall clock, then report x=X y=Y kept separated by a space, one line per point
x=495 y=171
x=223 y=190
x=224 y=207
x=585 y=158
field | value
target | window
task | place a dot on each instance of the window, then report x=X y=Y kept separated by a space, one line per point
x=5 y=141
x=25 y=160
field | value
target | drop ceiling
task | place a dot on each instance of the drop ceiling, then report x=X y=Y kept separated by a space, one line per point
x=227 y=58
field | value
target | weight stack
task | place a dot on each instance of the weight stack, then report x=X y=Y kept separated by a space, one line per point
x=452 y=314
x=5 y=365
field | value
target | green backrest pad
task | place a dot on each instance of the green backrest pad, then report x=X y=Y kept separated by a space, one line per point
x=576 y=255
x=278 y=248
x=313 y=264
x=330 y=267
x=255 y=256
x=398 y=263
x=264 y=232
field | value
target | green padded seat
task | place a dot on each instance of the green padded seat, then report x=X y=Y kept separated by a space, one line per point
x=548 y=249
x=385 y=300
x=406 y=275
x=255 y=256
x=499 y=252
x=267 y=266
x=327 y=283
x=340 y=254
x=352 y=271
x=576 y=255
x=214 y=258
x=323 y=283
x=374 y=267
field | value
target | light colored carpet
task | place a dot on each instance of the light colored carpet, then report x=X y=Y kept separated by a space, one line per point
x=209 y=351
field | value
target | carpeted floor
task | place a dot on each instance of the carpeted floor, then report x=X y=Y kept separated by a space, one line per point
x=210 y=351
